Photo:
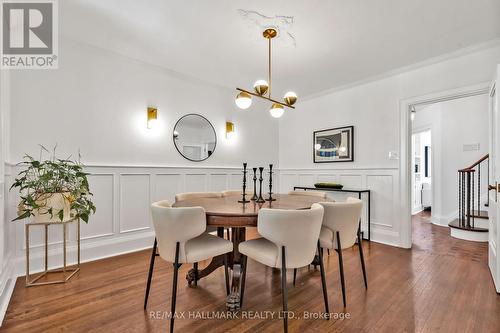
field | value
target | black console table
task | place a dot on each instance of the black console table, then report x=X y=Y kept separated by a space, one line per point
x=364 y=226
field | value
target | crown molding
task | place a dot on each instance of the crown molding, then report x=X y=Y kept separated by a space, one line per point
x=401 y=70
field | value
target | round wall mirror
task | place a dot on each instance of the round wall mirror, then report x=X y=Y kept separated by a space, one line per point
x=194 y=137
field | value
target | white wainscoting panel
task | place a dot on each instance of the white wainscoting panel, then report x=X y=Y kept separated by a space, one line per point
x=167 y=186
x=196 y=182
x=218 y=182
x=135 y=201
x=382 y=187
x=384 y=195
x=103 y=221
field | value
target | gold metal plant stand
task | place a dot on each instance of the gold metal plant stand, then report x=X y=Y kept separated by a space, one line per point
x=65 y=269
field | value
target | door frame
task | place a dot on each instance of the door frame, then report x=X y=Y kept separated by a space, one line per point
x=405 y=106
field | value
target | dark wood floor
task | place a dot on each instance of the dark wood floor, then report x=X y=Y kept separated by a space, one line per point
x=441 y=285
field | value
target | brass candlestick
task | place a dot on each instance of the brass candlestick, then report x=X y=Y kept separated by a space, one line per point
x=270 y=184
x=260 y=199
x=244 y=199
x=254 y=196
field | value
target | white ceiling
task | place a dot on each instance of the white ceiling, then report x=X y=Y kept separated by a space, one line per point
x=337 y=41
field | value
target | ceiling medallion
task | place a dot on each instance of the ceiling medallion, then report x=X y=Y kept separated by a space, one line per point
x=263 y=89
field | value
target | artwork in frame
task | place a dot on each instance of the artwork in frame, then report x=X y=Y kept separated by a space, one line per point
x=334 y=145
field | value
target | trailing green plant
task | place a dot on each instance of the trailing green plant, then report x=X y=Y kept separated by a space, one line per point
x=53 y=176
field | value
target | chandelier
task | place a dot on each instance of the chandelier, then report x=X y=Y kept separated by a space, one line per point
x=263 y=89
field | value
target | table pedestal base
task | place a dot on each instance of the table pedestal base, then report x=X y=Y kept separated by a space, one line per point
x=234 y=262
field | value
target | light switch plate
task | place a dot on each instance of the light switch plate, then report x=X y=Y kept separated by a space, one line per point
x=393 y=155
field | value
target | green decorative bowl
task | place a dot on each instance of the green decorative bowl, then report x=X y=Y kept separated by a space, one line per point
x=329 y=185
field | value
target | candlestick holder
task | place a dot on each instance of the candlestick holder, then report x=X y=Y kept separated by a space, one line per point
x=260 y=199
x=244 y=199
x=270 y=184
x=254 y=196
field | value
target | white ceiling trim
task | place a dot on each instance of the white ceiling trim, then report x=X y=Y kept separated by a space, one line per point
x=432 y=61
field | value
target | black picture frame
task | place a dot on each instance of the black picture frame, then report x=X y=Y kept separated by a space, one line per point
x=349 y=130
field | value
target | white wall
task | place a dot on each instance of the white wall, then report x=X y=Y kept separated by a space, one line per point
x=7 y=235
x=454 y=124
x=373 y=109
x=96 y=102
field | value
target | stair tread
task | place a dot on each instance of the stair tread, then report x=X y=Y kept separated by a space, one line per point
x=481 y=214
x=457 y=225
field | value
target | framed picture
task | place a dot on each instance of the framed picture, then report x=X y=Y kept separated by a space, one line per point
x=334 y=145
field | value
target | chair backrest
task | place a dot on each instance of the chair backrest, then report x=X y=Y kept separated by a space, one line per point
x=235 y=192
x=193 y=195
x=297 y=230
x=318 y=194
x=344 y=218
x=174 y=225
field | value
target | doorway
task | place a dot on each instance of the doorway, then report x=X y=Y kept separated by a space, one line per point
x=421 y=191
x=441 y=209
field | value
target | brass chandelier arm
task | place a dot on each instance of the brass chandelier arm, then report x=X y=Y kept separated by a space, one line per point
x=267 y=98
x=269 y=74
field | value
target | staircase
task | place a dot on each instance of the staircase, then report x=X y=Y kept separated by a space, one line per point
x=472 y=221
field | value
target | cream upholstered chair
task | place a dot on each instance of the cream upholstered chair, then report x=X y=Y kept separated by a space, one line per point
x=209 y=229
x=289 y=240
x=340 y=230
x=235 y=192
x=191 y=195
x=181 y=239
x=309 y=193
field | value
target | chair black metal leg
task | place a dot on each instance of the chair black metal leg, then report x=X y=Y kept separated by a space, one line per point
x=195 y=268
x=328 y=251
x=226 y=274
x=341 y=267
x=294 y=276
x=362 y=258
x=174 y=287
x=323 y=282
x=150 y=274
x=243 y=278
x=283 y=290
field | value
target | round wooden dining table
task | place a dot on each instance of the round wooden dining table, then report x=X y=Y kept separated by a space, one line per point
x=227 y=212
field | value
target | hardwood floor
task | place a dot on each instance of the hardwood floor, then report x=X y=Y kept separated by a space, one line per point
x=442 y=284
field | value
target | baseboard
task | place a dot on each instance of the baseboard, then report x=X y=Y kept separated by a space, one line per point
x=7 y=284
x=443 y=221
x=386 y=237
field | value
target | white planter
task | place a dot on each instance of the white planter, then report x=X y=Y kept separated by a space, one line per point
x=56 y=201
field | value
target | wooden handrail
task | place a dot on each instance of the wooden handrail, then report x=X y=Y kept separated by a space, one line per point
x=470 y=169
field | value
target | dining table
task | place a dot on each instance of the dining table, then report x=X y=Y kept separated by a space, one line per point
x=227 y=212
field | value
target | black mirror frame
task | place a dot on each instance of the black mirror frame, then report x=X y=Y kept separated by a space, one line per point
x=213 y=129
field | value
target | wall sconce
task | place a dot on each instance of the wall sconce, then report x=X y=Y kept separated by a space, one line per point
x=229 y=130
x=152 y=117
x=413 y=112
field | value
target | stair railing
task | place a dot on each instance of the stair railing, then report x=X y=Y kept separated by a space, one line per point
x=469 y=191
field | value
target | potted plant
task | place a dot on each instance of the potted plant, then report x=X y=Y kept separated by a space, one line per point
x=53 y=190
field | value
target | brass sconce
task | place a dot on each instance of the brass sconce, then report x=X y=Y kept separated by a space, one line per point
x=229 y=130
x=152 y=117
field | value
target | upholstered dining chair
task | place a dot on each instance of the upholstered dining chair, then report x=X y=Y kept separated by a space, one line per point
x=180 y=239
x=289 y=240
x=340 y=230
x=318 y=194
x=236 y=192
x=210 y=229
x=193 y=195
